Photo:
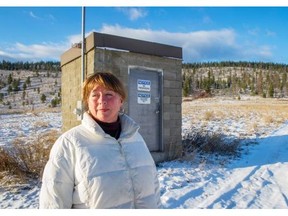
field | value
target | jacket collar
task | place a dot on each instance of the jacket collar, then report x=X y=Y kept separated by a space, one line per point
x=128 y=125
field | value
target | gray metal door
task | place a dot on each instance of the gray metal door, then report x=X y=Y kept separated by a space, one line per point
x=145 y=104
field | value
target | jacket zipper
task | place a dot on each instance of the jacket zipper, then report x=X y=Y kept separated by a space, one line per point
x=129 y=172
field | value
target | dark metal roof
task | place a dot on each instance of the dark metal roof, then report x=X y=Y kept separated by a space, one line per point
x=137 y=46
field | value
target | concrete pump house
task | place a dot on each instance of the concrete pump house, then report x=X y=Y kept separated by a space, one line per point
x=151 y=73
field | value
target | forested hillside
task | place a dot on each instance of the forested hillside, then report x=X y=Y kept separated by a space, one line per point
x=28 y=86
x=235 y=79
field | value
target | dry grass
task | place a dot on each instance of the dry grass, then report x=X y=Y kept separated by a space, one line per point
x=26 y=161
x=208 y=115
x=255 y=110
x=219 y=125
x=253 y=127
x=268 y=119
x=173 y=150
x=205 y=147
x=41 y=124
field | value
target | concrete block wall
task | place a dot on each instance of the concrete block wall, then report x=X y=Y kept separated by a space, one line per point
x=71 y=92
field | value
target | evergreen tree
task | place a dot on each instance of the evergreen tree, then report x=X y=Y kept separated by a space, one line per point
x=10 y=89
x=15 y=84
x=43 y=98
x=186 y=87
x=271 y=90
x=283 y=81
x=28 y=81
x=10 y=79
x=259 y=84
x=24 y=86
x=23 y=95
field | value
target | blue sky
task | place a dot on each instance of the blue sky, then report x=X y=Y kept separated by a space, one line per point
x=205 y=33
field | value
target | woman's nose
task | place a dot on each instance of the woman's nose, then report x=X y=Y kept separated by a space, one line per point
x=102 y=99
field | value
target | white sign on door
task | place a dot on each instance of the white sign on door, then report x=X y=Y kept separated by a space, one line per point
x=143 y=85
x=143 y=98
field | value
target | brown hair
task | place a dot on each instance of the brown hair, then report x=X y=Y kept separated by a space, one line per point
x=105 y=79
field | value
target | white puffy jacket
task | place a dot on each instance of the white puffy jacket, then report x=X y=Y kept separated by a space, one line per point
x=90 y=169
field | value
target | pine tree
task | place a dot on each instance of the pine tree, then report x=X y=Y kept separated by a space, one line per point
x=10 y=79
x=43 y=98
x=186 y=87
x=28 y=81
x=271 y=90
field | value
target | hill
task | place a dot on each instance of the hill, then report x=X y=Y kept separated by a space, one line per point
x=236 y=79
x=24 y=90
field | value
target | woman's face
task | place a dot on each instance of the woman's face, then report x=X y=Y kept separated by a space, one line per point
x=104 y=104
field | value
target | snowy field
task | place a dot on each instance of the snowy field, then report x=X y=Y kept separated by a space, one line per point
x=23 y=126
x=258 y=179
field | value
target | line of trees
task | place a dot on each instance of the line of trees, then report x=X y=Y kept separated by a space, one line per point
x=259 y=65
x=31 y=66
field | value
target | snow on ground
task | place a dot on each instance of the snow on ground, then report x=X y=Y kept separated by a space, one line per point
x=258 y=179
x=24 y=125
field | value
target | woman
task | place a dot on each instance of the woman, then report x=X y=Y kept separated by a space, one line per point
x=104 y=162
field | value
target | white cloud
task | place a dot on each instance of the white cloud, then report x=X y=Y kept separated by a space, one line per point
x=210 y=45
x=266 y=52
x=33 y=52
x=133 y=13
x=33 y=15
x=196 y=45
x=39 y=51
x=42 y=17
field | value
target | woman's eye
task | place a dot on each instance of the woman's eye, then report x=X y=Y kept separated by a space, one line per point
x=95 y=95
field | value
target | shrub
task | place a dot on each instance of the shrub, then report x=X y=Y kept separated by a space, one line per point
x=208 y=115
x=202 y=94
x=210 y=143
x=268 y=119
x=27 y=161
x=55 y=102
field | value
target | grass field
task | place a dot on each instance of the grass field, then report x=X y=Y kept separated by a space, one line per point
x=253 y=114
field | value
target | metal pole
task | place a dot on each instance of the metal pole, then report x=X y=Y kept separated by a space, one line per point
x=79 y=110
x=83 y=46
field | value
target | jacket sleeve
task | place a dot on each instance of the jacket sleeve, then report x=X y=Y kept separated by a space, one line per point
x=58 y=177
